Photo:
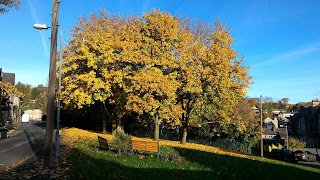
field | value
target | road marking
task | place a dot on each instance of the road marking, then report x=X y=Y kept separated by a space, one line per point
x=19 y=144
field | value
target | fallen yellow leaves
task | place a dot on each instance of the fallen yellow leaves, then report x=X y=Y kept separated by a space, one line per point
x=71 y=135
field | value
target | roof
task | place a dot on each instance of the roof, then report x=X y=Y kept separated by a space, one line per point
x=268 y=132
x=267 y=119
x=282 y=133
x=9 y=77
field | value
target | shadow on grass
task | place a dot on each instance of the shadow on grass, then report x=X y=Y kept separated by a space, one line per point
x=242 y=168
x=92 y=164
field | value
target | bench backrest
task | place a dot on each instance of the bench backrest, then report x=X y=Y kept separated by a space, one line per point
x=152 y=146
x=103 y=141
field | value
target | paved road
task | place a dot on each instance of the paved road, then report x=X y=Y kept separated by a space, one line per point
x=310 y=164
x=25 y=142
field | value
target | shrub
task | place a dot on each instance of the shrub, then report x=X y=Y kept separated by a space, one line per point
x=232 y=144
x=296 y=143
x=170 y=154
x=121 y=142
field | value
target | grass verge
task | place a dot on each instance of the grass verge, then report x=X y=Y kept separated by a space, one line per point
x=189 y=161
x=81 y=159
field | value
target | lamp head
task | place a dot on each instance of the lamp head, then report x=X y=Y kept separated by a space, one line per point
x=40 y=26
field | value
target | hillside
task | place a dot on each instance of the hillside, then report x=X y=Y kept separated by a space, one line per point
x=81 y=159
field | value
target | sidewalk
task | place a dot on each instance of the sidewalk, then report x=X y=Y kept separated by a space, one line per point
x=14 y=127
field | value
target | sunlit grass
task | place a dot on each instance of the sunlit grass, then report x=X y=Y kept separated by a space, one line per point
x=177 y=160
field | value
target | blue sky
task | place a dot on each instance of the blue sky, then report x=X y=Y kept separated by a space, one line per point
x=279 y=39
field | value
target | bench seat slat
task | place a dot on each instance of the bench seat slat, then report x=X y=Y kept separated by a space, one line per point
x=151 y=146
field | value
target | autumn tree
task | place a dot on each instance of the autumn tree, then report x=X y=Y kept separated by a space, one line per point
x=190 y=52
x=92 y=70
x=152 y=88
x=124 y=64
x=244 y=122
x=7 y=90
x=212 y=79
x=254 y=102
x=40 y=96
x=156 y=66
x=33 y=97
x=284 y=103
x=5 y=5
x=296 y=143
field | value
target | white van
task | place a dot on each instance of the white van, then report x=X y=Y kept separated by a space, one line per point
x=25 y=118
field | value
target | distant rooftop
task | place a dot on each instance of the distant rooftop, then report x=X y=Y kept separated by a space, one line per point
x=9 y=77
x=282 y=132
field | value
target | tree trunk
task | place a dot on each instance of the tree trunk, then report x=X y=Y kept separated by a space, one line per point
x=118 y=126
x=184 y=136
x=185 y=129
x=156 y=128
x=185 y=119
x=104 y=117
x=104 y=122
x=118 y=122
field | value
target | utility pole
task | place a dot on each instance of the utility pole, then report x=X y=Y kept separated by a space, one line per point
x=0 y=93
x=261 y=132
x=51 y=88
x=287 y=140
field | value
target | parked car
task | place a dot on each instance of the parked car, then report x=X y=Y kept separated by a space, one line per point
x=305 y=156
x=283 y=155
x=299 y=155
x=309 y=156
x=4 y=132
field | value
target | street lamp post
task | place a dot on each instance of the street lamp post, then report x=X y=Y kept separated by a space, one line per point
x=51 y=87
x=59 y=103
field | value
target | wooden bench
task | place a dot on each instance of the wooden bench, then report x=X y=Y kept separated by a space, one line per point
x=151 y=146
x=103 y=143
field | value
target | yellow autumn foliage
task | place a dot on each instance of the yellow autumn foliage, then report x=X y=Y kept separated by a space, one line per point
x=8 y=89
x=158 y=66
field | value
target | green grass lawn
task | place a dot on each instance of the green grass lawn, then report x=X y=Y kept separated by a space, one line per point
x=179 y=163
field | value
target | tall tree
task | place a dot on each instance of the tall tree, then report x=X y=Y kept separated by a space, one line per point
x=156 y=66
x=7 y=90
x=6 y=5
x=153 y=86
x=244 y=122
x=26 y=90
x=284 y=102
x=212 y=79
x=93 y=72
